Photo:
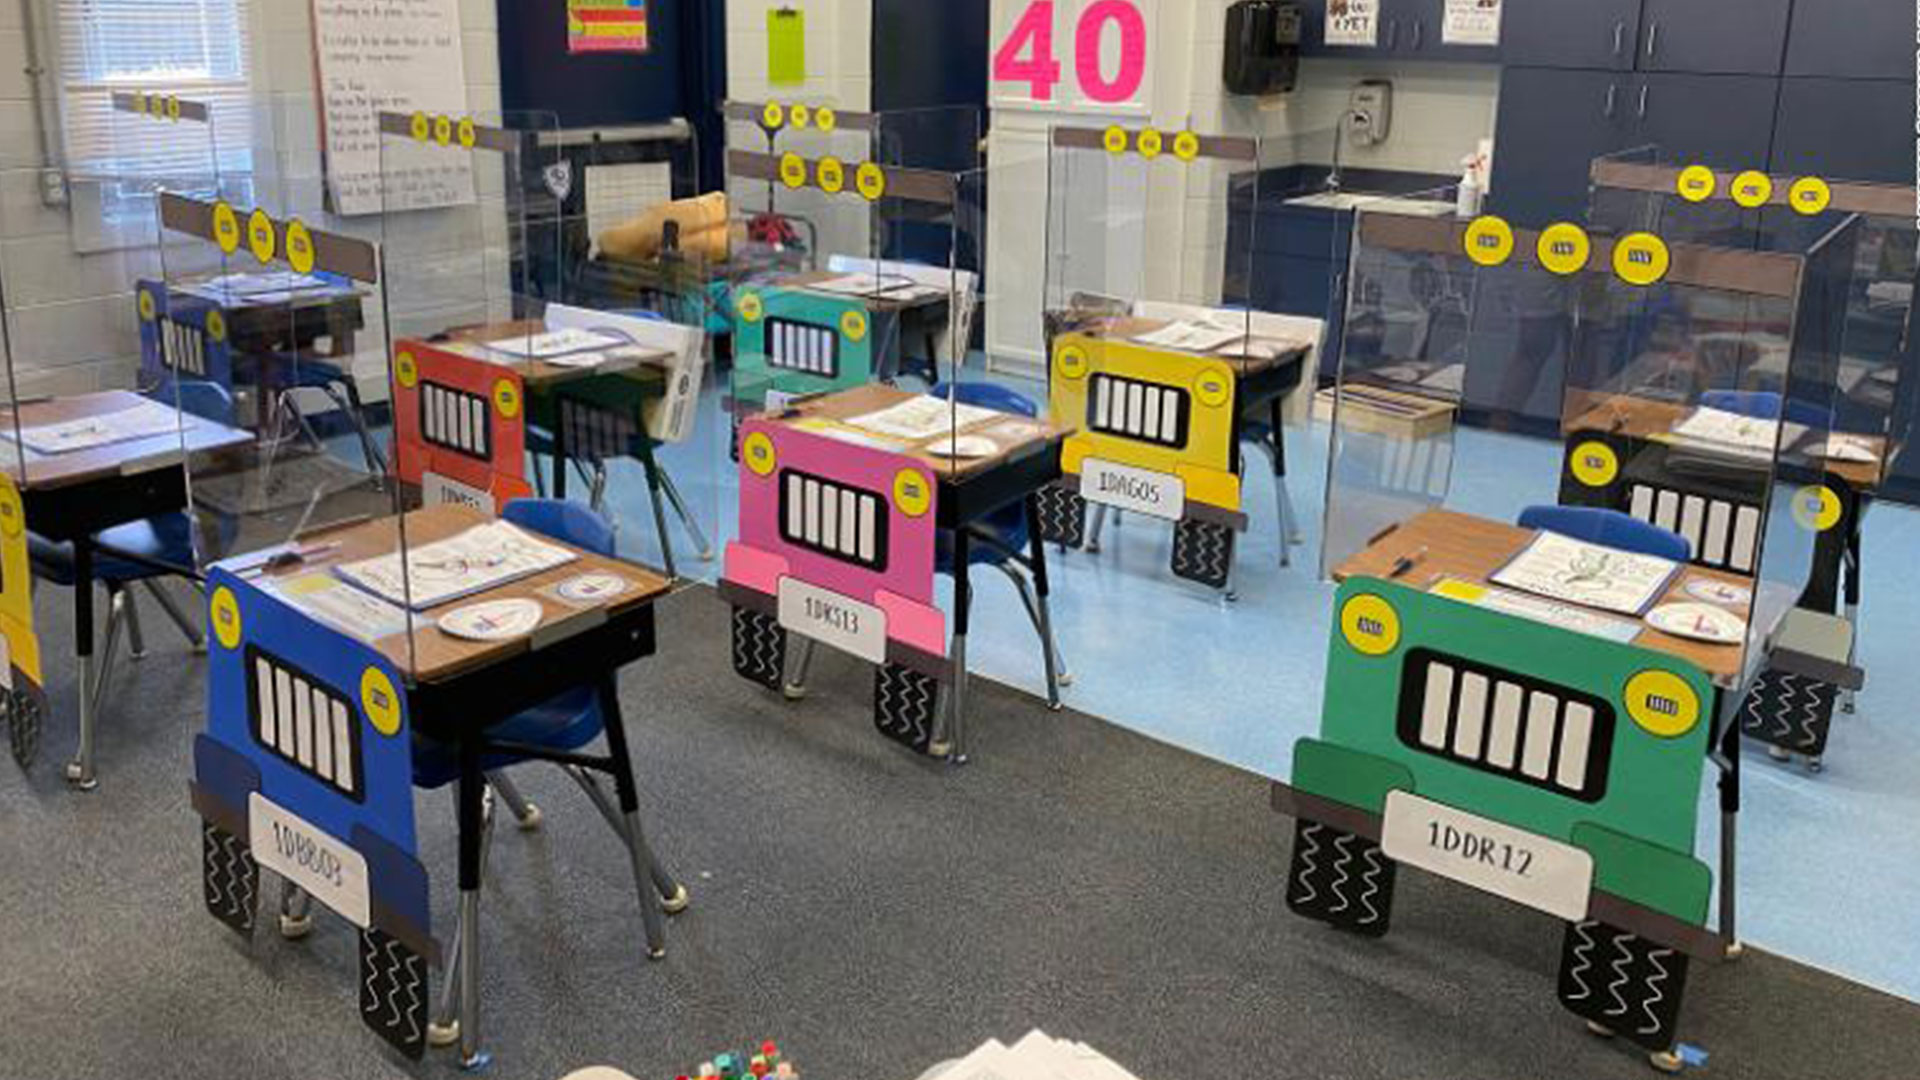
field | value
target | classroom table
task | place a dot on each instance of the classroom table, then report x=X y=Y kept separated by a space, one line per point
x=71 y=497
x=970 y=489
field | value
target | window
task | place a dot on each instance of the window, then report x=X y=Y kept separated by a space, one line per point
x=195 y=49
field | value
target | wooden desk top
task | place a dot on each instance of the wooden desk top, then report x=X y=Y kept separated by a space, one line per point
x=872 y=303
x=1474 y=549
x=436 y=656
x=1126 y=327
x=539 y=375
x=1653 y=420
x=1017 y=436
x=46 y=471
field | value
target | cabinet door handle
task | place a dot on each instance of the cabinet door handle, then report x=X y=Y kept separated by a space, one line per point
x=1653 y=38
x=1613 y=92
x=1619 y=37
x=1393 y=32
x=1418 y=27
x=1643 y=101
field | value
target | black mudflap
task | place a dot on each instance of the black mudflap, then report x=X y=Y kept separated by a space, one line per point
x=393 y=992
x=1623 y=982
x=1203 y=553
x=906 y=706
x=230 y=878
x=1340 y=879
x=759 y=648
x=1792 y=712
x=1063 y=516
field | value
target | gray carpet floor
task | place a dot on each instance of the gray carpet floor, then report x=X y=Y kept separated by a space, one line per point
x=873 y=912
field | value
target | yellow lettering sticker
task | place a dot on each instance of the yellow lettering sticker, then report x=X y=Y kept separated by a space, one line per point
x=1564 y=248
x=382 y=704
x=1641 y=259
x=1662 y=703
x=223 y=611
x=1810 y=195
x=854 y=325
x=216 y=325
x=1594 y=464
x=757 y=451
x=407 y=370
x=443 y=130
x=1752 y=189
x=1697 y=183
x=1115 y=140
x=262 y=239
x=420 y=127
x=831 y=175
x=469 y=134
x=912 y=492
x=800 y=116
x=1370 y=625
x=506 y=398
x=149 y=309
x=773 y=117
x=1073 y=362
x=871 y=180
x=299 y=247
x=1817 y=508
x=1489 y=241
x=226 y=228
x=1186 y=146
x=793 y=171
x=750 y=307
x=1150 y=144
x=826 y=119
x=1214 y=386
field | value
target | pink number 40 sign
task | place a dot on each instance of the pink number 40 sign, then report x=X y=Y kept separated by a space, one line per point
x=1027 y=55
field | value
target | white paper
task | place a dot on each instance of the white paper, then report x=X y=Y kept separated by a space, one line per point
x=1541 y=873
x=1156 y=494
x=402 y=56
x=1037 y=1056
x=484 y=557
x=329 y=870
x=1194 y=337
x=923 y=417
x=1729 y=432
x=339 y=605
x=673 y=416
x=555 y=343
x=856 y=628
x=142 y=421
x=1537 y=609
x=1562 y=568
x=1471 y=22
x=1353 y=22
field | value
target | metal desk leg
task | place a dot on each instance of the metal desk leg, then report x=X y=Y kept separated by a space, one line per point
x=962 y=611
x=647 y=873
x=473 y=786
x=80 y=770
x=1729 y=836
x=1847 y=703
x=1057 y=675
x=656 y=494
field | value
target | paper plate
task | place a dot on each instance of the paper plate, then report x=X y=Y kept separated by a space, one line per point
x=591 y=588
x=1699 y=622
x=1724 y=593
x=966 y=446
x=496 y=620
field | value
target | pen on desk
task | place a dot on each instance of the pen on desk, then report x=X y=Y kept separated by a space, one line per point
x=1406 y=562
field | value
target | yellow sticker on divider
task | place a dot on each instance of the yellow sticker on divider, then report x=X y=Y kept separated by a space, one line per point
x=407 y=370
x=1489 y=241
x=854 y=325
x=1186 y=146
x=420 y=127
x=381 y=703
x=13 y=513
x=1752 y=189
x=1150 y=143
x=216 y=325
x=1641 y=259
x=1213 y=386
x=826 y=119
x=1662 y=703
x=1370 y=625
x=799 y=116
x=226 y=228
x=793 y=171
x=831 y=175
x=223 y=611
x=506 y=398
x=300 y=252
x=1594 y=464
x=757 y=451
x=1697 y=183
x=443 y=130
x=871 y=180
x=1817 y=508
x=750 y=307
x=149 y=310
x=1810 y=195
x=1073 y=362
x=1564 y=248
x=1467 y=592
x=1115 y=140
x=469 y=134
x=773 y=117
x=912 y=493
x=262 y=239
x=173 y=108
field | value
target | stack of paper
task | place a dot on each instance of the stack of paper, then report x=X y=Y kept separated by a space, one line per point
x=1188 y=336
x=481 y=558
x=1729 y=432
x=923 y=417
x=1039 y=1056
x=142 y=421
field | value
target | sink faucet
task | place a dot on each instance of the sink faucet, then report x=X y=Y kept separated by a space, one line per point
x=1339 y=135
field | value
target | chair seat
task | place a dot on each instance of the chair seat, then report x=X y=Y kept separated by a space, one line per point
x=1007 y=527
x=308 y=373
x=567 y=722
x=166 y=539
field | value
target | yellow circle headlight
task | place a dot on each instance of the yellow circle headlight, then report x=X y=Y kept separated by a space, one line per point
x=1370 y=625
x=382 y=704
x=1662 y=703
x=757 y=451
x=1594 y=464
x=912 y=492
x=224 y=612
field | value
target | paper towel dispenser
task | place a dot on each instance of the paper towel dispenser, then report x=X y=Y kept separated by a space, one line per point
x=1263 y=46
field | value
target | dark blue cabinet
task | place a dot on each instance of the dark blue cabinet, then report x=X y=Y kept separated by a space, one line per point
x=1553 y=122
x=1723 y=121
x=1859 y=39
x=1571 y=33
x=1716 y=37
x=1846 y=129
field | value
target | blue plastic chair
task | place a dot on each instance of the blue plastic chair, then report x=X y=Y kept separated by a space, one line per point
x=1767 y=405
x=1609 y=528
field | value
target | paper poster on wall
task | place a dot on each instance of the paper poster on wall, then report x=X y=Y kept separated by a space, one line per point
x=401 y=56
x=1353 y=22
x=1074 y=54
x=786 y=47
x=1471 y=22
x=596 y=26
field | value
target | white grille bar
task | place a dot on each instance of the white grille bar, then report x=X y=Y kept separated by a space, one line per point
x=1536 y=735
x=1132 y=409
x=1722 y=535
x=455 y=420
x=304 y=723
x=183 y=348
x=833 y=519
x=803 y=347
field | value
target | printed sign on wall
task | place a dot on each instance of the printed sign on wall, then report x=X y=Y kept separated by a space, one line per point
x=1471 y=22
x=1074 y=55
x=606 y=26
x=1353 y=22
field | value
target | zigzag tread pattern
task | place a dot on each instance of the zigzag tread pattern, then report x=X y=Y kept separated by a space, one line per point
x=904 y=705
x=393 y=992
x=229 y=877
x=1339 y=878
x=759 y=648
x=1063 y=516
x=23 y=726
x=1622 y=981
x=1203 y=553
x=1790 y=711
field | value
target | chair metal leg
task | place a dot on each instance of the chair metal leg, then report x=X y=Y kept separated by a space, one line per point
x=647 y=871
x=702 y=548
x=525 y=813
x=794 y=687
x=178 y=617
x=1039 y=617
x=654 y=495
x=348 y=398
x=136 y=639
x=296 y=912
x=116 y=614
x=1847 y=702
x=1099 y=526
x=673 y=895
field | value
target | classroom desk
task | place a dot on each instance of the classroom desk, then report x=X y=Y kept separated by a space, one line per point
x=71 y=497
x=970 y=490
x=458 y=690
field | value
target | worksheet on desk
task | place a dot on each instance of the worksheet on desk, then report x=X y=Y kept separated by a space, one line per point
x=1562 y=568
x=923 y=417
x=142 y=421
x=481 y=558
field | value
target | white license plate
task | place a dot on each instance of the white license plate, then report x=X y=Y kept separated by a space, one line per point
x=437 y=490
x=1543 y=874
x=330 y=872
x=1155 y=494
x=828 y=617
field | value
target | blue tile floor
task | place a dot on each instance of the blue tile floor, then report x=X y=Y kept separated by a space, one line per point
x=1830 y=863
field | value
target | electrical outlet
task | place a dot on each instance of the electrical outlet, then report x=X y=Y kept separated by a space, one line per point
x=53 y=187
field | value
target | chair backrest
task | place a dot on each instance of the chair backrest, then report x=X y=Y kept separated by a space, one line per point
x=988 y=396
x=1610 y=528
x=197 y=397
x=1766 y=405
x=567 y=522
